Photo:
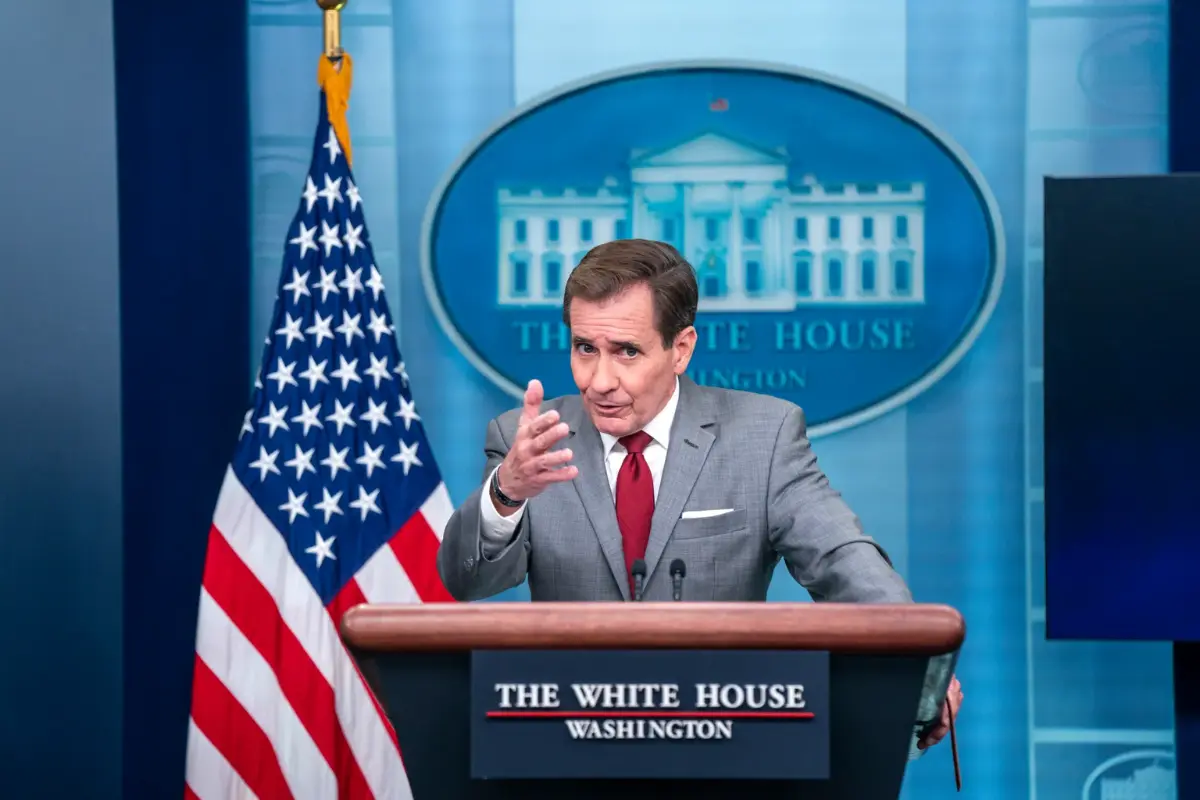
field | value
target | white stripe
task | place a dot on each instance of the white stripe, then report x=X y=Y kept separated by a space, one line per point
x=261 y=548
x=383 y=580
x=252 y=682
x=208 y=774
x=437 y=510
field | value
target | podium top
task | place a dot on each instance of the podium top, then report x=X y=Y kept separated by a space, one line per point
x=908 y=628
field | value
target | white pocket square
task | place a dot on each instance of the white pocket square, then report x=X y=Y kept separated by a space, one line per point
x=714 y=512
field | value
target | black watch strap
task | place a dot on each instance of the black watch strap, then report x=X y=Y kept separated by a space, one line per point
x=504 y=499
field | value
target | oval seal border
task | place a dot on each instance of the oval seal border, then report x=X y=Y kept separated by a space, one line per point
x=951 y=148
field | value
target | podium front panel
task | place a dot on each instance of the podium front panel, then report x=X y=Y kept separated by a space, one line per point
x=872 y=701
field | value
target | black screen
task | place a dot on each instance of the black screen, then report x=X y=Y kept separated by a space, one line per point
x=1122 y=411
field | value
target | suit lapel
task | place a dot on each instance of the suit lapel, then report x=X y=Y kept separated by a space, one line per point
x=596 y=496
x=690 y=442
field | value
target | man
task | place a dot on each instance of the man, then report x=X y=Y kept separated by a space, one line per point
x=644 y=465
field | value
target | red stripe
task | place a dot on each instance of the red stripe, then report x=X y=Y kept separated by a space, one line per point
x=236 y=735
x=349 y=597
x=188 y=794
x=251 y=608
x=416 y=547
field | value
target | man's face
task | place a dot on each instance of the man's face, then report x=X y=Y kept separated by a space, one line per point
x=623 y=372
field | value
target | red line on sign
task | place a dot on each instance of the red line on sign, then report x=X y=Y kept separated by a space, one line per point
x=650 y=713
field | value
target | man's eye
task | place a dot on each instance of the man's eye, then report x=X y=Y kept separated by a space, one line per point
x=630 y=352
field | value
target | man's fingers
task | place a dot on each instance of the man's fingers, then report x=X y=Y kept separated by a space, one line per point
x=544 y=441
x=533 y=399
x=553 y=459
x=934 y=736
x=567 y=473
x=539 y=424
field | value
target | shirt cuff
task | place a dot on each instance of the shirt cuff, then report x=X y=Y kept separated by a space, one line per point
x=496 y=530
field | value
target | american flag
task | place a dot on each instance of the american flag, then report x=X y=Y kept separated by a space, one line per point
x=332 y=499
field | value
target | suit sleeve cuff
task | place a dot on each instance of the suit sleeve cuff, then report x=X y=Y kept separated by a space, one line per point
x=496 y=530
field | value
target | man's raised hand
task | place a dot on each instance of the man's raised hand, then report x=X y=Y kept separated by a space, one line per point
x=530 y=465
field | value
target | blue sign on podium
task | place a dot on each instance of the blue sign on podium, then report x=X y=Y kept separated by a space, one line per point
x=733 y=714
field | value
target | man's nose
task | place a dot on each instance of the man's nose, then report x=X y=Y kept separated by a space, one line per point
x=604 y=379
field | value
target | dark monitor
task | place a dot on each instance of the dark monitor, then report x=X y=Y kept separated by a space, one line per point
x=1122 y=407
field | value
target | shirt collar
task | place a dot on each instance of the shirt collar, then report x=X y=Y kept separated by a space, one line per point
x=658 y=428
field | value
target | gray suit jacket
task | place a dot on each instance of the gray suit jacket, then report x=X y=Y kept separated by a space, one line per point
x=728 y=449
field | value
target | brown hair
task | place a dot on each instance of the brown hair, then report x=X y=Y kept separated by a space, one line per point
x=609 y=269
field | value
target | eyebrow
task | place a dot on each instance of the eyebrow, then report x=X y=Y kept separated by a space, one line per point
x=616 y=345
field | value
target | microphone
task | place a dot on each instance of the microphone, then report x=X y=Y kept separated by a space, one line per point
x=639 y=579
x=678 y=571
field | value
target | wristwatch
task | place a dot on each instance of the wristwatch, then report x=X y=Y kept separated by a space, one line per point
x=503 y=499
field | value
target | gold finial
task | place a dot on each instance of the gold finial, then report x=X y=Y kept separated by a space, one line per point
x=333 y=27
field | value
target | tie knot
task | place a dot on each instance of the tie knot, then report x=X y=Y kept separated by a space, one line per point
x=636 y=442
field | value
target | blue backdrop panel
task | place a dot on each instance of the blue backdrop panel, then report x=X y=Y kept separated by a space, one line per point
x=60 y=416
x=183 y=120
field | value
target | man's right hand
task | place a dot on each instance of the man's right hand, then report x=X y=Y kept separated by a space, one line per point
x=529 y=466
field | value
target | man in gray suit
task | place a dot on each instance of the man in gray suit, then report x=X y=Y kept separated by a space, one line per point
x=644 y=466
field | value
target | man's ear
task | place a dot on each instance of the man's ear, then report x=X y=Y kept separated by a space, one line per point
x=683 y=347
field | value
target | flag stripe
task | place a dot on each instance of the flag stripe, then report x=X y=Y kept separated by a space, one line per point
x=261 y=548
x=234 y=735
x=249 y=678
x=416 y=549
x=381 y=580
x=210 y=776
x=252 y=610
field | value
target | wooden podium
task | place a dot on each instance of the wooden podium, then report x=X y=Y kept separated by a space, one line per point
x=888 y=668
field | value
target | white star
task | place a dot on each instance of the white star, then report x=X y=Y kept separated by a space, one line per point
x=283 y=375
x=408 y=456
x=408 y=411
x=399 y=370
x=341 y=416
x=332 y=191
x=375 y=284
x=349 y=327
x=310 y=193
x=298 y=286
x=352 y=196
x=335 y=461
x=353 y=281
x=258 y=378
x=353 y=237
x=247 y=426
x=265 y=463
x=366 y=502
x=329 y=238
x=377 y=415
x=295 y=506
x=305 y=239
x=308 y=417
x=378 y=325
x=314 y=374
x=302 y=462
x=378 y=369
x=323 y=549
x=370 y=459
x=346 y=373
x=332 y=146
x=327 y=284
x=320 y=327
x=329 y=504
x=291 y=329
x=274 y=419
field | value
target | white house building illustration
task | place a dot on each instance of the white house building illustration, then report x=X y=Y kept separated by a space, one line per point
x=1144 y=784
x=758 y=240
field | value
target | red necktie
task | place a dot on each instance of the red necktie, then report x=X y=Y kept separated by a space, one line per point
x=635 y=499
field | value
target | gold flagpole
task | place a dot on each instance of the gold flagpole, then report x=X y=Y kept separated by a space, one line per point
x=332 y=10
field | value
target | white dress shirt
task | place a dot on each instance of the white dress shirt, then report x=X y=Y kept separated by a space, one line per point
x=498 y=530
